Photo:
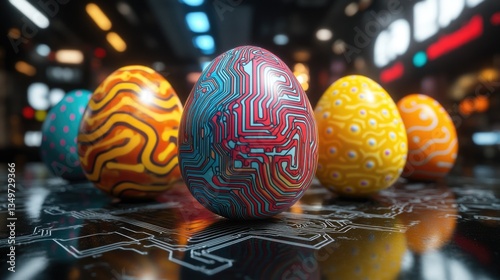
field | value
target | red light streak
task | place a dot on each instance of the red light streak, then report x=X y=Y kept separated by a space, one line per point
x=447 y=43
x=394 y=72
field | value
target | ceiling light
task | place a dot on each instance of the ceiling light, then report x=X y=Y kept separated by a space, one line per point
x=363 y=4
x=486 y=138
x=124 y=8
x=305 y=86
x=300 y=67
x=339 y=46
x=99 y=52
x=158 y=66
x=28 y=112
x=56 y=95
x=204 y=62
x=33 y=139
x=127 y=12
x=193 y=77
x=98 y=16
x=301 y=72
x=360 y=63
x=40 y=115
x=31 y=13
x=14 y=33
x=25 y=68
x=280 y=39
x=197 y=22
x=37 y=96
x=205 y=43
x=116 y=42
x=351 y=9
x=43 y=50
x=324 y=34
x=193 y=3
x=302 y=55
x=69 y=56
x=204 y=65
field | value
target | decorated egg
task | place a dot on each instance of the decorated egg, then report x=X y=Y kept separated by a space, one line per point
x=127 y=140
x=248 y=138
x=432 y=138
x=59 y=135
x=362 y=139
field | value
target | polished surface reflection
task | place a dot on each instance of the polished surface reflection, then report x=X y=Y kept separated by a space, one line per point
x=447 y=230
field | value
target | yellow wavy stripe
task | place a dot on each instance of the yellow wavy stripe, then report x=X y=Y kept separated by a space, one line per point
x=174 y=161
x=111 y=154
x=82 y=138
x=132 y=87
x=350 y=141
x=379 y=134
x=139 y=187
x=342 y=118
x=150 y=143
x=126 y=75
x=138 y=168
x=364 y=105
x=342 y=166
x=107 y=126
x=96 y=105
x=169 y=150
x=128 y=101
x=137 y=68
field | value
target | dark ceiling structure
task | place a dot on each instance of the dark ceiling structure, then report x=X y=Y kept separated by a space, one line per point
x=156 y=32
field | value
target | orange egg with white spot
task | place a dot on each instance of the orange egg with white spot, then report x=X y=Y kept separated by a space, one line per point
x=432 y=138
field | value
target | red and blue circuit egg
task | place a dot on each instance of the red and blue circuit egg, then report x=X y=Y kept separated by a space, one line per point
x=248 y=138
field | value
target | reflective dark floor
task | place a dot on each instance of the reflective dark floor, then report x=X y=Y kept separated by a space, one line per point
x=446 y=230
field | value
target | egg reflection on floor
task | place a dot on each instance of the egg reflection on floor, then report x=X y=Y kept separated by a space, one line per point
x=435 y=229
x=431 y=214
x=363 y=254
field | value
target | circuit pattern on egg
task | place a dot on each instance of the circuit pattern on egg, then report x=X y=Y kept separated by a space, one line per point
x=248 y=138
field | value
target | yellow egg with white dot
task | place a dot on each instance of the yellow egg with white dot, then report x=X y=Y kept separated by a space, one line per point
x=362 y=139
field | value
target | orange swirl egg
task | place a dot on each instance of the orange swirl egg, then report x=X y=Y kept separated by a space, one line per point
x=432 y=138
x=127 y=140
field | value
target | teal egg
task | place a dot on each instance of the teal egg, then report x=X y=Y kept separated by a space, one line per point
x=59 y=135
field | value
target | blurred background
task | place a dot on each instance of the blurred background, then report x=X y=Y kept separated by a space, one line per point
x=447 y=49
